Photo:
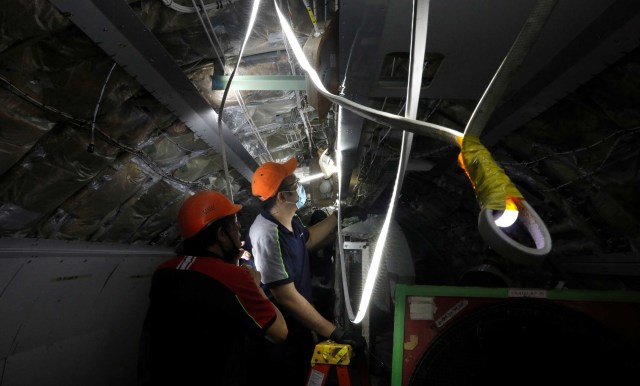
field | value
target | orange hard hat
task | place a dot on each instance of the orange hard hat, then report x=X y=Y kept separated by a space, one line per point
x=268 y=177
x=202 y=209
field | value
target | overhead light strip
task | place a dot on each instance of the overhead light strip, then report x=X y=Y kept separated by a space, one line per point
x=416 y=59
x=405 y=123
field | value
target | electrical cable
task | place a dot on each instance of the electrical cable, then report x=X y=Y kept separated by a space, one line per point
x=222 y=63
x=215 y=36
x=303 y=114
x=312 y=17
x=28 y=98
x=92 y=146
x=219 y=50
x=584 y=175
x=254 y=12
x=219 y=55
x=622 y=132
x=184 y=9
x=82 y=123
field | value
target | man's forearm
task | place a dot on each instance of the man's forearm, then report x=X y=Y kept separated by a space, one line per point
x=321 y=231
x=304 y=312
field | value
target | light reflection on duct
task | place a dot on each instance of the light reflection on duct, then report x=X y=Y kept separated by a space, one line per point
x=327 y=165
x=310 y=178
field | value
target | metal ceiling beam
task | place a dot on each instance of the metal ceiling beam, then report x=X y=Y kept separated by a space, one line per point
x=114 y=26
x=606 y=39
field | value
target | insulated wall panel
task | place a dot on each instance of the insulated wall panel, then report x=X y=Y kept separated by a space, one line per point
x=74 y=310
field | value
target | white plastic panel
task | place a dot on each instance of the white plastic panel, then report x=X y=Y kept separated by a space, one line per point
x=71 y=313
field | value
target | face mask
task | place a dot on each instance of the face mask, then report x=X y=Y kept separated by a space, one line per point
x=302 y=197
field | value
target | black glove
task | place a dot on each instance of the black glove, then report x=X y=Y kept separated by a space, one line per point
x=353 y=211
x=355 y=340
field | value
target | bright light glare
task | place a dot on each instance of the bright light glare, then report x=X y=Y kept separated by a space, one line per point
x=252 y=20
x=507 y=219
x=327 y=165
x=382 y=240
x=311 y=178
x=509 y=216
x=297 y=51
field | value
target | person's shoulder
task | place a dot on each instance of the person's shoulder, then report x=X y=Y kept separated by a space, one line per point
x=262 y=223
x=221 y=269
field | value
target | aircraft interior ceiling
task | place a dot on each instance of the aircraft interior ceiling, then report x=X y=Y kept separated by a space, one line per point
x=109 y=120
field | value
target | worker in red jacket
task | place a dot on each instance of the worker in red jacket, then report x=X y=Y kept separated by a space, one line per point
x=203 y=305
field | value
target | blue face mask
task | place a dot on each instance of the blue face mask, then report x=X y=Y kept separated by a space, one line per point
x=302 y=196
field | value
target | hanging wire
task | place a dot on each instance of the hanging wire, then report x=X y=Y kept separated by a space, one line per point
x=92 y=146
x=215 y=36
x=82 y=123
x=219 y=49
x=219 y=55
x=254 y=12
x=621 y=132
x=303 y=114
x=28 y=98
x=184 y=9
x=583 y=175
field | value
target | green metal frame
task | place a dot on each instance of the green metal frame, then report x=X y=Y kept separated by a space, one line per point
x=260 y=82
x=402 y=291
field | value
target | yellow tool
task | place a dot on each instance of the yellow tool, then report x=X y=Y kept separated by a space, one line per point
x=329 y=353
